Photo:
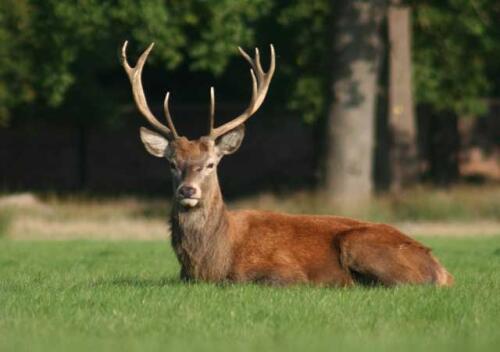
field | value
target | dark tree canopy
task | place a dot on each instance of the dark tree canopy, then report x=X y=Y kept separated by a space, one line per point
x=56 y=54
x=457 y=51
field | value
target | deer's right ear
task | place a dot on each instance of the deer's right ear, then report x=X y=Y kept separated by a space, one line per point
x=155 y=143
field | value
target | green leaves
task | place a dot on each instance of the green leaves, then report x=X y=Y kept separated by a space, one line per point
x=53 y=48
x=15 y=67
x=455 y=44
x=223 y=26
x=54 y=52
x=307 y=28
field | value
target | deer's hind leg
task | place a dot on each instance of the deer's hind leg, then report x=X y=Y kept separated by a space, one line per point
x=380 y=254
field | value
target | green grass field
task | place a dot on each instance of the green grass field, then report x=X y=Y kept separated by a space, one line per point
x=84 y=295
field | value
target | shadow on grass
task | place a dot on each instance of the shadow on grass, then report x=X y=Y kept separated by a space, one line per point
x=142 y=282
x=137 y=282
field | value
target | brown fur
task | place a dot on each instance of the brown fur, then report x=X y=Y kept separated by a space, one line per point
x=184 y=149
x=216 y=245
x=200 y=239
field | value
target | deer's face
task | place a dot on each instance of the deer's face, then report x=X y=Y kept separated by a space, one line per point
x=192 y=163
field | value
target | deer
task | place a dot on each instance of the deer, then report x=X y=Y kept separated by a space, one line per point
x=217 y=245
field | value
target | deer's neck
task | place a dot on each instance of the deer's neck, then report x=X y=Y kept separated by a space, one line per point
x=200 y=236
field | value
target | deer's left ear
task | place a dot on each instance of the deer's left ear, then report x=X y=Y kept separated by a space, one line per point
x=154 y=143
x=231 y=141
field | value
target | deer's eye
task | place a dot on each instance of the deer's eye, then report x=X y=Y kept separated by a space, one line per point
x=173 y=166
x=210 y=166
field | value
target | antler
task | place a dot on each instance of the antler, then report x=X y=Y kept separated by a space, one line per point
x=260 y=85
x=211 y=119
x=134 y=74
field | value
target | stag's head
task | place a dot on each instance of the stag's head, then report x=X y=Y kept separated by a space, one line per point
x=193 y=163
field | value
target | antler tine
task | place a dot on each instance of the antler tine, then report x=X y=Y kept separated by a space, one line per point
x=135 y=77
x=212 y=111
x=170 y=122
x=260 y=86
x=258 y=66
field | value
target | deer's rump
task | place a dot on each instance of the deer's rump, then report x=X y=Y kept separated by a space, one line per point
x=285 y=249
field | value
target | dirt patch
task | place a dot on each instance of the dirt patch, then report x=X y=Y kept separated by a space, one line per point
x=451 y=229
x=462 y=212
x=25 y=227
x=118 y=229
x=20 y=200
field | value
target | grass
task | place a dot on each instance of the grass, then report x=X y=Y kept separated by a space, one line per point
x=84 y=295
x=5 y=219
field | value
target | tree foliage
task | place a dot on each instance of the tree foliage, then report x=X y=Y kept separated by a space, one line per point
x=457 y=46
x=455 y=53
x=56 y=53
x=52 y=47
x=308 y=40
x=16 y=82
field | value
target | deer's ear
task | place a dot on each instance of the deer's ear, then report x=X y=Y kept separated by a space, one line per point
x=155 y=143
x=231 y=141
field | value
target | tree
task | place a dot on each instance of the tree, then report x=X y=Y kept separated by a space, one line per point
x=456 y=67
x=454 y=61
x=358 y=50
x=54 y=54
x=402 y=125
x=57 y=57
x=60 y=58
x=456 y=50
x=15 y=67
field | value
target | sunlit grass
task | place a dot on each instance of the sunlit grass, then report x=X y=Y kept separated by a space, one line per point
x=126 y=296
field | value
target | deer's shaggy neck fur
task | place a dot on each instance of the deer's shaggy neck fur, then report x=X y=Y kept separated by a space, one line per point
x=200 y=236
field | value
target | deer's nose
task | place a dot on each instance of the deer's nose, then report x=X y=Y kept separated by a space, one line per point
x=187 y=191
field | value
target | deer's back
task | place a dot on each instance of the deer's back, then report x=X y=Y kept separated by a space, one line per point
x=284 y=248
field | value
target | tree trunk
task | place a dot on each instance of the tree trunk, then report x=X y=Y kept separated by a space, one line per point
x=357 y=51
x=403 y=148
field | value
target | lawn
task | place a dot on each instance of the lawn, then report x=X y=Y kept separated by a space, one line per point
x=125 y=295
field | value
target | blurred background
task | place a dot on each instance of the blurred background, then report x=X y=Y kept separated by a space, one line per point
x=386 y=110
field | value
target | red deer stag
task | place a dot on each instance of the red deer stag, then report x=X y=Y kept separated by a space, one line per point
x=217 y=245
